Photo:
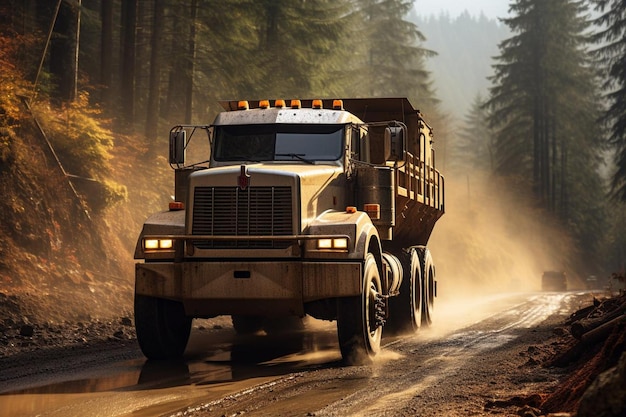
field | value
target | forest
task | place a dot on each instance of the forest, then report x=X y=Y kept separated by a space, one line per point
x=547 y=123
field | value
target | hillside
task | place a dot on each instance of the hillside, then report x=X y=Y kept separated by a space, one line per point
x=66 y=254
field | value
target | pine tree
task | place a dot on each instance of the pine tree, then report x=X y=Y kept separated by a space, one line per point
x=475 y=140
x=545 y=111
x=393 y=60
x=612 y=55
x=542 y=95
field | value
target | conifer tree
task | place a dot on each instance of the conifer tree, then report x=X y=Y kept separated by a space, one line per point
x=612 y=55
x=393 y=60
x=545 y=111
x=475 y=140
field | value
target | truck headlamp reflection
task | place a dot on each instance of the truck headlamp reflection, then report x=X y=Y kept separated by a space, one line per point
x=333 y=244
x=156 y=244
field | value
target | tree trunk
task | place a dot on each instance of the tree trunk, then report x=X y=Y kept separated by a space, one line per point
x=106 y=52
x=190 y=63
x=64 y=50
x=129 y=9
x=154 y=92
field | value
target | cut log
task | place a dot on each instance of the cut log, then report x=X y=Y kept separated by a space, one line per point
x=579 y=328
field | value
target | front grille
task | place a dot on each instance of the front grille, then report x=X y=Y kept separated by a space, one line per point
x=230 y=211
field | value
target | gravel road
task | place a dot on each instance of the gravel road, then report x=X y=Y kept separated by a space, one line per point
x=481 y=357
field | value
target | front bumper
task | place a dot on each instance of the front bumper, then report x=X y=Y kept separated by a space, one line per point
x=209 y=289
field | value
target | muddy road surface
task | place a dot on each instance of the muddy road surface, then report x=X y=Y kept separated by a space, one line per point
x=475 y=357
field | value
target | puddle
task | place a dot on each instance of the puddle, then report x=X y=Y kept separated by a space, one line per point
x=215 y=363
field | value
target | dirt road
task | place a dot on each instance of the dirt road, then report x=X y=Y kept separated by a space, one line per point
x=472 y=361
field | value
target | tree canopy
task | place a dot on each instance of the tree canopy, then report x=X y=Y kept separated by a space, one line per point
x=544 y=108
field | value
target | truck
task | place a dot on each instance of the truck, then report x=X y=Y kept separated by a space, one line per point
x=318 y=207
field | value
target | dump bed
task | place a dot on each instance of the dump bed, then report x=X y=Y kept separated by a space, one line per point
x=419 y=187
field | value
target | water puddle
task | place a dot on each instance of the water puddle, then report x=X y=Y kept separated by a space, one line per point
x=215 y=363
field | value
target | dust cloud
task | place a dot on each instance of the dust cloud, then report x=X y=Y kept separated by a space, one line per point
x=492 y=241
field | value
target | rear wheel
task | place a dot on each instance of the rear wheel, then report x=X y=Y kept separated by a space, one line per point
x=360 y=319
x=428 y=274
x=162 y=327
x=405 y=314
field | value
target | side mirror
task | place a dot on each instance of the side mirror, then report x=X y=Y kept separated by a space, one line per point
x=178 y=139
x=394 y=135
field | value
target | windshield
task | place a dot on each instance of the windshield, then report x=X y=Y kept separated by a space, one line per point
x=306 y=143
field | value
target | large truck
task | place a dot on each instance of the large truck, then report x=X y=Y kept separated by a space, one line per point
x=304 y=207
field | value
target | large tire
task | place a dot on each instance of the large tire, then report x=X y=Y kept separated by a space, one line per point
x=428 y=274
x=245 y=325
x=162 y=327
x=405 y=310
x=360 y=319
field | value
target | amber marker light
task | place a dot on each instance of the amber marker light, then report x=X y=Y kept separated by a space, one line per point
x=176 y=205
x=264 y=104
x=279 y=103
x=372 y=210
x=337 y=104
x=350 y=209
x=296 y=104
x=317 y=104
x=243 y=105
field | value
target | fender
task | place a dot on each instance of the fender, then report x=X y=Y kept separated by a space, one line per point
x=357 y=226
x=162 y=223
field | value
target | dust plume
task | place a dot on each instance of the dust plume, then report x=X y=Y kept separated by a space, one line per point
x=492 y=240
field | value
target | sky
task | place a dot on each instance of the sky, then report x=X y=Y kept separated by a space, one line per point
x=491 y=8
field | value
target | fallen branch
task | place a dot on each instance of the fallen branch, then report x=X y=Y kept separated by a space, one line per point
x=583 y=326
x=603 y=331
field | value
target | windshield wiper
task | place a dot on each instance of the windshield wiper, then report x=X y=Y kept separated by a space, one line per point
x=297 y=156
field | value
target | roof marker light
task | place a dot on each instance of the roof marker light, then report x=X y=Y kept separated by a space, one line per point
x=280 y=103
x=243 y=105
x=176 y=205
x=264 y=104
x=337 y=104
x=296 y=104
x=317 y=104
x=350 y=209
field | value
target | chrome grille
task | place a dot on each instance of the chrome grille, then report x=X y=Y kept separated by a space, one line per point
x=230 y=211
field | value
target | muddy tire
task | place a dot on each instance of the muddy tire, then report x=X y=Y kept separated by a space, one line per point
x=359 y=319
x=247 y=324
x=428 y=288
x=405 y=310
x=162 y=327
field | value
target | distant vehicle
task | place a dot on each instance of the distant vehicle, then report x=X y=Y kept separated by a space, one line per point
x=592 y=282
x=554 y=281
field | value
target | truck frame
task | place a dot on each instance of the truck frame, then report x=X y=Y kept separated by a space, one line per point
x=305 y=207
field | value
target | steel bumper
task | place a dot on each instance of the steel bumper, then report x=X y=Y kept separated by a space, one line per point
x=266 y=288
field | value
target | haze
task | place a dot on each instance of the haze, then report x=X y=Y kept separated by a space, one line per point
x=490 y=8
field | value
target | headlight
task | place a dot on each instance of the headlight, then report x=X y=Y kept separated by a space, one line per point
x=156 y=244
x=330 y=244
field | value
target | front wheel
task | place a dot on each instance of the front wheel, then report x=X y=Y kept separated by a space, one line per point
x=162 y=327
x=360 y=319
